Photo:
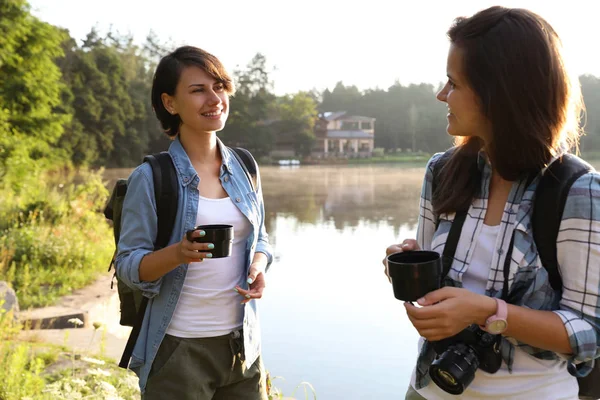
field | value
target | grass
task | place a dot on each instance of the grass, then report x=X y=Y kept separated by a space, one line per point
x=417 y=158
x=53 y=239
x=31 y=370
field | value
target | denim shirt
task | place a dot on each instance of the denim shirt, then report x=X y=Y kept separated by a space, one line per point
x=578 y=255
x=139 y=228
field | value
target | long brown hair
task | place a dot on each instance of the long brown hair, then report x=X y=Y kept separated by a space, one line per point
x=513 y=62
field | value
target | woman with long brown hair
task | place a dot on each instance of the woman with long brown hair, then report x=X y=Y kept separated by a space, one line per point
x=514 y=110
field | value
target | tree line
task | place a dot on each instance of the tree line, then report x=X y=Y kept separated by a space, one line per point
x=87 y=103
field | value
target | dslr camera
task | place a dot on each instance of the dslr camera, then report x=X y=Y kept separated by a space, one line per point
x=459 y=356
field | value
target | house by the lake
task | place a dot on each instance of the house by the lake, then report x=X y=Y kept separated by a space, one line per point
x=340 y=134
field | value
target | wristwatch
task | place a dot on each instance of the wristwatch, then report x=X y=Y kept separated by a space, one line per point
x=496 y=324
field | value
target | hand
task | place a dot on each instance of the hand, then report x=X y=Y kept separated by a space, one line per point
x=188 y=251
x=406 y=245
x=256 y=281
x=449 y=310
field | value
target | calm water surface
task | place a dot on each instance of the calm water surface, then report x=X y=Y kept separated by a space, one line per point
x=329 y=316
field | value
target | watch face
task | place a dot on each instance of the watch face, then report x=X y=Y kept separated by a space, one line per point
x=497 y=326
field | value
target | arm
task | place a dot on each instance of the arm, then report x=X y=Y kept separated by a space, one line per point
x=578 y=253
x=138 y=230
x=542 y=329
x=262 y=258
x=137 y=264
x=427 y=219
x=263 y=253
x=158 y=263
x=573 y=328
x=458 y=308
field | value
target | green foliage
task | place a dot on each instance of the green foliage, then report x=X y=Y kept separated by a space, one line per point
x=31 y=121
x=20 y=369
x=590 y=87
x=53 y=237
x=297 y=116
x=91 y=382
x=251 y=108
x=38 y=371
x=378 y=152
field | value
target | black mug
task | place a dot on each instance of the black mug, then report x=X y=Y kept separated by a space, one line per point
x=414 y=273
x=219 y=235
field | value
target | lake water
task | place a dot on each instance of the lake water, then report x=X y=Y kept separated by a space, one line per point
x=328 y=313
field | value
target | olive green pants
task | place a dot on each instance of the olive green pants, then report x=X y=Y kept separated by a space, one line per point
x=205 y=369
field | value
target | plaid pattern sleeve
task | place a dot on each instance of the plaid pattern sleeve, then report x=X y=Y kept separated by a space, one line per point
x=578 y=246
x=578 y=252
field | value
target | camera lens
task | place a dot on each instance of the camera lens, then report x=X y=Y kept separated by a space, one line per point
x=455 y=369
x=447 y=378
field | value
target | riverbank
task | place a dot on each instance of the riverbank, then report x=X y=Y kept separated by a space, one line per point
x=77 y=359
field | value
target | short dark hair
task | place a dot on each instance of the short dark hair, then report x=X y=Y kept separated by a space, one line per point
x=513 y=62
x=166 y=78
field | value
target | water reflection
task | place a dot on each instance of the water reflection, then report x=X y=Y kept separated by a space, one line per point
x=343 y=195
x=328 y=313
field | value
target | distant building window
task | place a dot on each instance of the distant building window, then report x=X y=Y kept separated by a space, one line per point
x=365 y=125
x=349 y=126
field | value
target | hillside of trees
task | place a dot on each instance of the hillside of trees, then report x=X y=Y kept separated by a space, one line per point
x=86 y=103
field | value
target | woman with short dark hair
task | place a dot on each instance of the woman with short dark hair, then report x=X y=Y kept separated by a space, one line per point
x=200 y=338
x=514 y=110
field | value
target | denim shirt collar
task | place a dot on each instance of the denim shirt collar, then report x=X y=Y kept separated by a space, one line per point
x=185 y=170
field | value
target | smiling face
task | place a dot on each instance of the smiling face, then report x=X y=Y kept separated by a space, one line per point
x=464 y=111
x=200 y=100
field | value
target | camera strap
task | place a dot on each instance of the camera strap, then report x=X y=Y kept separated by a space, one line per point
x=507 y=267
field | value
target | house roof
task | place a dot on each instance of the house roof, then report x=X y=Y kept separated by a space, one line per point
x=335 y=134
x=333 y=116
x=358 y=118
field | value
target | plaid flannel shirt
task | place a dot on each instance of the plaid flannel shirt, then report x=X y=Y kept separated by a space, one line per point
x=578 y=257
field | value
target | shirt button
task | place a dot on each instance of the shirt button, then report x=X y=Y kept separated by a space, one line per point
x=238 y=199
x=500 y=251
x=185 y=179
x=226 y=179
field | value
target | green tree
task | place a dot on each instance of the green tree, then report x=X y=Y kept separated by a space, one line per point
x=342 y=98
x=31 y=116
x=103 y=110
x=252 y=109
x=590 y=88
x=297 y=117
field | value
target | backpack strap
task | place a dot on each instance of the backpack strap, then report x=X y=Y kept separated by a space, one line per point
x=248 y=164
x=459 y=217
x=550 y=198
x=166 y=193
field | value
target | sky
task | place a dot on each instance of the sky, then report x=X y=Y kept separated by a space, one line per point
x=313 y=44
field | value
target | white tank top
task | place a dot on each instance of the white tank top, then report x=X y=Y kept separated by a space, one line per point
x=208 y=306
